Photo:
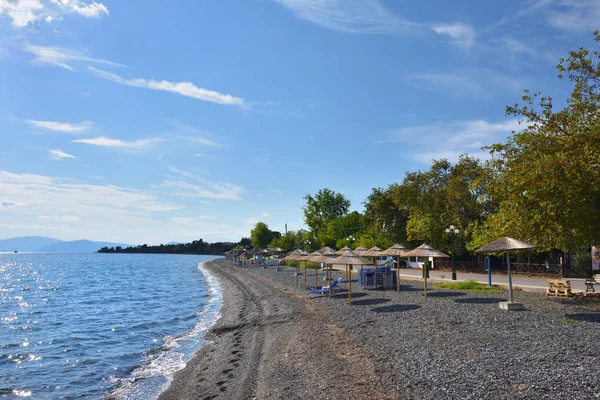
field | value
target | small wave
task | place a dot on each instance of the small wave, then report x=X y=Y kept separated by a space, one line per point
x=156 y=371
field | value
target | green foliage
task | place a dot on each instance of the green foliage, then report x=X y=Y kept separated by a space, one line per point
x=546 y=175
x=289 y=241
x=470 y=286
x=324 y=207
x=261 y=235
x=195 y=247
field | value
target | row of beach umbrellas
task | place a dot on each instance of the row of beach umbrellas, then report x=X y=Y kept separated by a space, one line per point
x=348 y=257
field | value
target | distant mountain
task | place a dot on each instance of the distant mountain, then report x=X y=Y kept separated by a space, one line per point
x=27 y=243
x=42 y=244
x=78 y=246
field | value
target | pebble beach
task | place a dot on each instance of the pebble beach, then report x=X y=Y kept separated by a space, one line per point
x=275 y=342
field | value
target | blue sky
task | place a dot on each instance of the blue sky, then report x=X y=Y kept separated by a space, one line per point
x=154 y=121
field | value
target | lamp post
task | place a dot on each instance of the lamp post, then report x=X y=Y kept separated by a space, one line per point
x=453 y=232
x=350 y=240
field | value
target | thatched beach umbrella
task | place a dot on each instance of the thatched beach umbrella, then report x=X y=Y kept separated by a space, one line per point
x=360 y=250
x=295 y=256
x=321 y=258
x=350 y=258
x=343 y=250
x=425 y=250
x=506 y=245
x=396 y=251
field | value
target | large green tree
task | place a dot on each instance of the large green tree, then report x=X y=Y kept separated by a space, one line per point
x=322 y=208
x=547 y=176
x=385 y=221
x=261 y=235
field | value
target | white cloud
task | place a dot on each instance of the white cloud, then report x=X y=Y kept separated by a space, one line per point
x=449 y=140
x=116 y=143
x=59 y=154
x=575 y=15
x=25 y=12
x=65 y=127
x=265 y=214
x=251 y=221
x=476 y=83
x=181 y=172
x=62 y=57
x=463 y=34
x=351 y=16
x=10 y=203
x=187 y=89
x=209 y=190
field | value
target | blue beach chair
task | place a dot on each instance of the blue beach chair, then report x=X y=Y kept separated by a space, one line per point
x=325 y=289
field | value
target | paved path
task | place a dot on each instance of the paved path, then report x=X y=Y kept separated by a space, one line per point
x=525 y=282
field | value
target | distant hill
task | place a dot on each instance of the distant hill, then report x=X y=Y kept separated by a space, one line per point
x=78 y=246
x=27 y=243
x=42 y=244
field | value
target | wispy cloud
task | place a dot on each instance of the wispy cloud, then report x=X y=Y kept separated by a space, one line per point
x=25 y=12
x=196 y=135
x=59 y=154
x=10 y=203
x=209 y=190
x=351 y=16
x=117 y=143
x=181 y=172
x=61 y=57
x=450 y=140
x=575 y=15
x=82 y=210
x=463 y=35
x=65 y=127
x=187 y=89
x=476 y=83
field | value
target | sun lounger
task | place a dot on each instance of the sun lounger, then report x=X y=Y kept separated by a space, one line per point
x=325 y=289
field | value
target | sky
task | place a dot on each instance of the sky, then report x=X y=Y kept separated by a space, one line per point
x=158 y=121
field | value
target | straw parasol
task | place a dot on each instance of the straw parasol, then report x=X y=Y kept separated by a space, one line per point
x=350 y=258
x=360 y=250
x=425 y=250
x=343 y=250
x=296 y=256
x=321 y=258
x=506 y=245
x=373 y=252
x=396 y=251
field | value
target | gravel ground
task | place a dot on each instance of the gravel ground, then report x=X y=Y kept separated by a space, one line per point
x=461 y=345
x=274 y=343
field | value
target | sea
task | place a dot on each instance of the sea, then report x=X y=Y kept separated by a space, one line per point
x=100 y=325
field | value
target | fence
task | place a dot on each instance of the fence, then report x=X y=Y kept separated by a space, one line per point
x=545 y=269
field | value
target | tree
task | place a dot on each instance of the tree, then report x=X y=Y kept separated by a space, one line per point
x=261 y=235
x=546 y=176
x=325 y=206
x=384 y=219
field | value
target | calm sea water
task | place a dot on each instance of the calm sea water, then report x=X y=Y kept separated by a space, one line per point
x=75 y=326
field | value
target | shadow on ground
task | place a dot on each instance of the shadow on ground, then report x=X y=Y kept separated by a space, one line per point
x=479 y=300
x=591 y=317
x=369 y=302
x=396 y=308
x=445 y=294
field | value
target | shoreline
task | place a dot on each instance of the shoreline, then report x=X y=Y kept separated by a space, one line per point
x=273 y=343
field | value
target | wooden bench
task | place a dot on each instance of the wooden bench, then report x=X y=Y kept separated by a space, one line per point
x=589 y=283
x=558 y=287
